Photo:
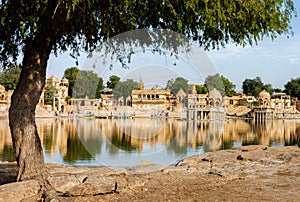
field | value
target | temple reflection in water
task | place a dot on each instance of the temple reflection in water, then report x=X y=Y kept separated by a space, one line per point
x=127 y=142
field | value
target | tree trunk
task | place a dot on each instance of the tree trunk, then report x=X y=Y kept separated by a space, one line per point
x=26 y=142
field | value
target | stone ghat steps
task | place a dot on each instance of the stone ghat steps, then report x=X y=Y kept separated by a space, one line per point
x=42 y=113
x=238 y=111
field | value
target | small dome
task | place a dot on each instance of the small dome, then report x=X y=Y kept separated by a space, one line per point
x=2 y=88
x=264 y=95
x=215 y=94
x=64 y=80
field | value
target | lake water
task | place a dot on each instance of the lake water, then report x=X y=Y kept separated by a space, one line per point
x=81 y=141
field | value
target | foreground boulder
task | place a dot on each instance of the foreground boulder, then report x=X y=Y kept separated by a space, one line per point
x=25 y=191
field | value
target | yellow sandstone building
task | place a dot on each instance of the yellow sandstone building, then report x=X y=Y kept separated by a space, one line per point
x=150 y=98
x=4 y=101
x=61 y=88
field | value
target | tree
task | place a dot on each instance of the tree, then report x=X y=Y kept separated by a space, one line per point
x=88 y=79
x=34 y=29
x=177 y=84
x=252 y=86
x=9 y=78
x=49 y=94
x=220 y=83
x=277 y=90
x=112 y=82
x=201 y=89
x=99 y=88
x=87 y=83
x=229 y=86
x=255 y=86
x=268 y=87
x=124 y=88
x=71 y=74
x=170 y=84
x=293 y=88
x=215 y=81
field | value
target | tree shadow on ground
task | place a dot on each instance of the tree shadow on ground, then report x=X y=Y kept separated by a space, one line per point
x=8 y=173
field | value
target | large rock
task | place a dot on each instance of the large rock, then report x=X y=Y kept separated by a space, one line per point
x=19 y=191
x=64 y=183
x=94 y=187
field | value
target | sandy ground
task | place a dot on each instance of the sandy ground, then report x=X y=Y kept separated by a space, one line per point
x=251 y=173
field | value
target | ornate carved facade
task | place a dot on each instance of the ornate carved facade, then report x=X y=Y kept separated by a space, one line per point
x=205 y=106
x=150 y=98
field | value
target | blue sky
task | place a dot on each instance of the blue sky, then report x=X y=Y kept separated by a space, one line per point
x=275 y=62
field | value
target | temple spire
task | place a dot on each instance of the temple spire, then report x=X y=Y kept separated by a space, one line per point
x=141 y=83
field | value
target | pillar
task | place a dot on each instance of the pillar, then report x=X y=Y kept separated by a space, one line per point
x=53 y=104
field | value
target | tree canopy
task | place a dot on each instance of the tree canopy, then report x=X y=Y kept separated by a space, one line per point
x=82 y=25
x=255 y=86
x=252 y=86
x=293 y=88
x=201 y=89
x=83 y=83
x=220 y=83
x=124 y=88
x=71 y=74
x=49 y=94
x=177 y=84
x=9 y=78
x=229 y=86
x=112 y=82
x=99 y=88
x=215 y=81
x=87 y=83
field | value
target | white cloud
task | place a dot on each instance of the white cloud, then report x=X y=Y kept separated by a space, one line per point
x=295 y=60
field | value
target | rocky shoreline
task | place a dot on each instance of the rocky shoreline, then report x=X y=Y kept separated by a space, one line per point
x=246 y=173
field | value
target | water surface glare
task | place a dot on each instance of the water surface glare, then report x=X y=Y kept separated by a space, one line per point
x=93 y=142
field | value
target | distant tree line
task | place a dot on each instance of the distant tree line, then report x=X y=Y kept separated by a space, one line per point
x=293 y=88
x=84 y=83
x=255 y=86
x=216 y=81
